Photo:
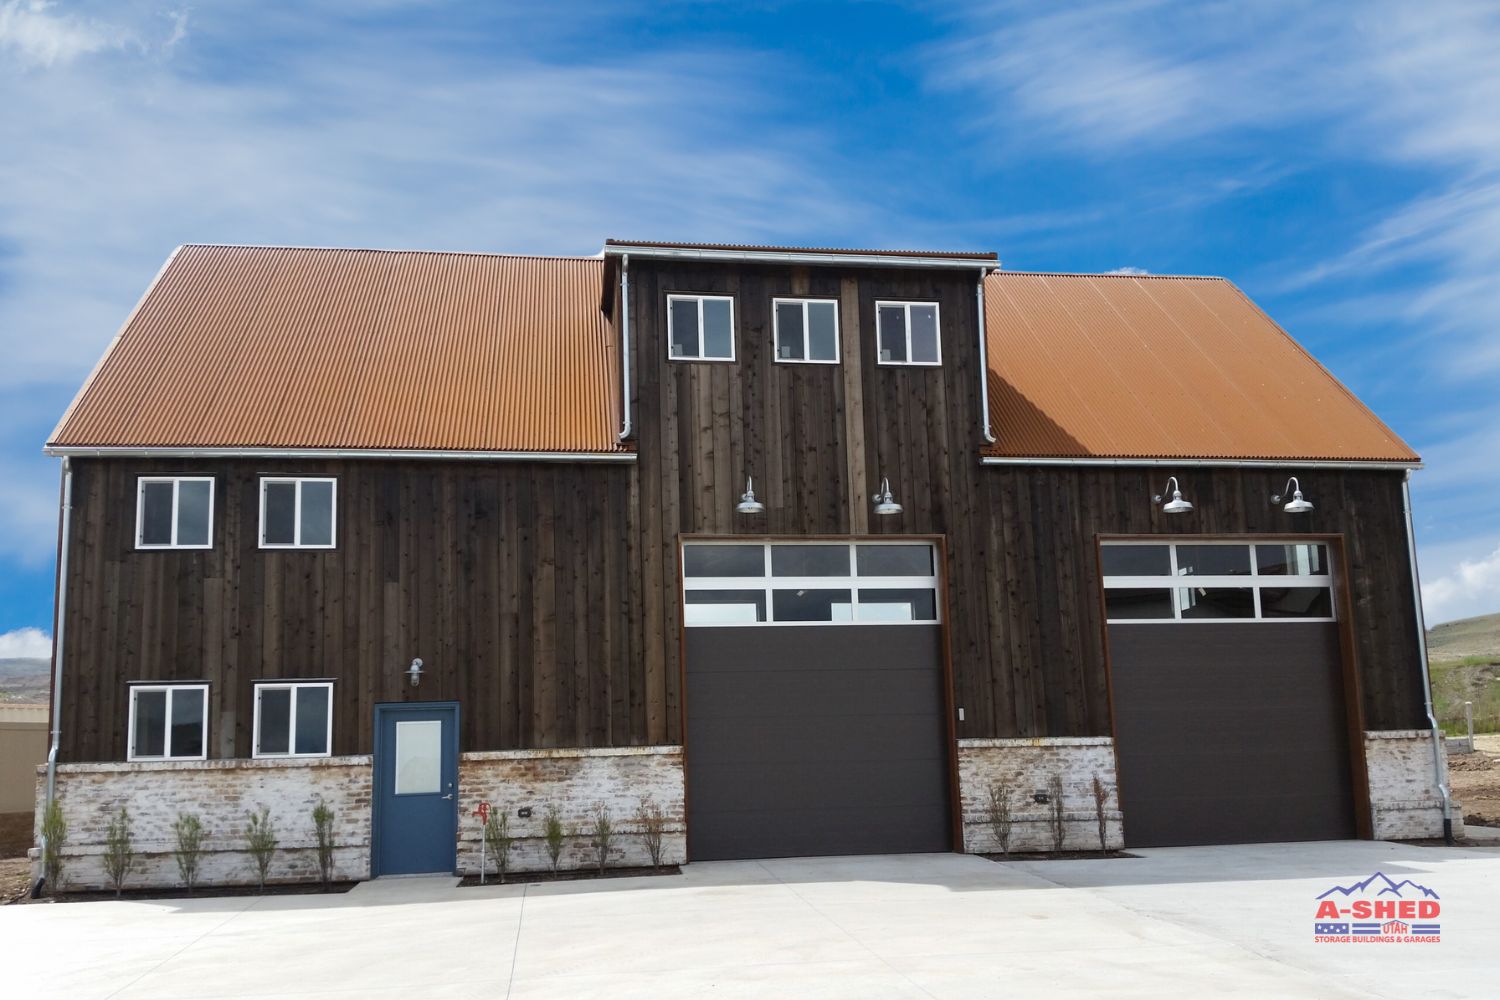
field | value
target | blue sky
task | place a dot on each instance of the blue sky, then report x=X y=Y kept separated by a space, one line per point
x=1341 y=162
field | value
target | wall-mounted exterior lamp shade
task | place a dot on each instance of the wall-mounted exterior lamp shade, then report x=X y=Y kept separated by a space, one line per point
x=748 y=504
x=414 y=672
x=1296 y=505
x=1176 y=505
x=884 y=502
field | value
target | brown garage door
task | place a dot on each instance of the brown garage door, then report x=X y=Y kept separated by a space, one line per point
x=1226 y=680
x=814 y=702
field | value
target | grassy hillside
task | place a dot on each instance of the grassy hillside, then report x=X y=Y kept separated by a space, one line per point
x=25 y=680
x=1465 y=664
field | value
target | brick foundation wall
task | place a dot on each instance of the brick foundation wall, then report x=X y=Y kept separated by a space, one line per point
x=575 y=781
x=1028 y=765
x=1404 y=799
x=221 y=793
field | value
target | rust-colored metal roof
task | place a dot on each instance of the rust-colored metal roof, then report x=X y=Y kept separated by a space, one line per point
x=750 y=248
x=1127 y=366
x=280 y=348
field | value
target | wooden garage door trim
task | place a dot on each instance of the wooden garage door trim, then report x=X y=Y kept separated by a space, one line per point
x=1354 y=714
x=945 y=618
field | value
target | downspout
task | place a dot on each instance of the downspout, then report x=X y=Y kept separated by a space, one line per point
x=625 y=344
x=984 y=360
x=57 y=648
x=1438 y=771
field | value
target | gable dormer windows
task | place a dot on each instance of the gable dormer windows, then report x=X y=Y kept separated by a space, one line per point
x=907 y=333
x=807 y=330
x=700 y=327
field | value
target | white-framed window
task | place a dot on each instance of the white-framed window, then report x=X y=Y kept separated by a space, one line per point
x=809 y=583
x=700 y=327
x=298 y=512
x=174 y=512
x=168 y=722
x=806 y=330
x=1217 y=581
x=293 y=718
x=906 y=333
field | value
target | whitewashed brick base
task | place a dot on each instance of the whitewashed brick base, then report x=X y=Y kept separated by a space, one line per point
x=1028 y=765
x=1404 y=800
x=575 y=781
x=223 y=792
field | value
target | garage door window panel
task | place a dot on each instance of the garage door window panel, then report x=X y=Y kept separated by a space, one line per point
x=812 y=606
x=1228 y=581
x=725 y=607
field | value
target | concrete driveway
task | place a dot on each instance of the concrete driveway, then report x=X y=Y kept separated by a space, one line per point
x=1211 y=921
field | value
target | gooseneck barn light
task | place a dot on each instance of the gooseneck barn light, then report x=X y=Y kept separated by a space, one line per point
x=1296 y=505
x=748 y=504
x=884 y=502
x=1176 y=505
x=414 y=672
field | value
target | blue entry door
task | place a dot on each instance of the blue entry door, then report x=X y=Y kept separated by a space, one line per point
x=416 y=789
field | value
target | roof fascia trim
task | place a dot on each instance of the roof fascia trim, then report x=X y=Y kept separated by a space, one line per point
x=107 y=451
x=1210 y=463
x=775 y=257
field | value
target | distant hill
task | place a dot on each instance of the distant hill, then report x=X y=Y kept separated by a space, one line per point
x=1467 y=637
x=25 y=680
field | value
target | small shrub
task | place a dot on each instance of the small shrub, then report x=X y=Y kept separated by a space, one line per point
x=119 y=853
x=260 y=842
x=552 y=832
x=188 y=829
x=54 y=836
x=323 y=828
x=602 y=833
x=498 y=839
x=997 y=812
x=1055 y=802
x=652 y=820
x=1101 y=799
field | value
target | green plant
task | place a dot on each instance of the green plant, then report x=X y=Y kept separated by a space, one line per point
x=602 y=834
x=652 y=820
x=188 y=829
x=1101 y=799
x=119 y=853
x=260 y=842
x=1055 y=816
x=54 y=836
x=552 y=833
x=498 y=839
x=997 y=813
x=323 y=829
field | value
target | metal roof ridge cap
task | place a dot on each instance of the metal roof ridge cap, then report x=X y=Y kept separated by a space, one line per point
x=1372 y=464
x=789 y=257
x=147 y=451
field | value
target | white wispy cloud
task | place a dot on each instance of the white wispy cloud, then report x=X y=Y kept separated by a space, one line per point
x=36 y=35
x=1469 y=589
x=25 y=644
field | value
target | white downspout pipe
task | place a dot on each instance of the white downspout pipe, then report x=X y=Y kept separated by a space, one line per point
x=984 y=360
x=625 y=345
x=1438 y=770
x=57 y=643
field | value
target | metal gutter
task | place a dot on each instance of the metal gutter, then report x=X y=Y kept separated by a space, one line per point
x=1210 y=463
x=109 y=451
x=984 y=360
x=781 y=257
x=625 y=345
x=65 y=531
x=1438 y=770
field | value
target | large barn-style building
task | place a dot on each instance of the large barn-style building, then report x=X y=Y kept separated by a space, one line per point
x=817 y=550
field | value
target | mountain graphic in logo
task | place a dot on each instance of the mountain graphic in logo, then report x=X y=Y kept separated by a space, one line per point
x=1382 y=885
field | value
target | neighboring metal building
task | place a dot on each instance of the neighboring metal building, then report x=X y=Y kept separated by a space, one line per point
x=817 y=549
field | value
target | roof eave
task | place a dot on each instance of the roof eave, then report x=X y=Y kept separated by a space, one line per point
x=1372 y=465
x=149 y=451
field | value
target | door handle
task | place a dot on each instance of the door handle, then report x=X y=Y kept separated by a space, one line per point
x=448 y=796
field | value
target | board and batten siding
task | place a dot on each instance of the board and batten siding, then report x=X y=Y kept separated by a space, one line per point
x=512 y=581
x=1025 y=624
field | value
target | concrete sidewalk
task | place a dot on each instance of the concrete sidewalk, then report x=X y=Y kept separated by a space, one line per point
x=1220 y=921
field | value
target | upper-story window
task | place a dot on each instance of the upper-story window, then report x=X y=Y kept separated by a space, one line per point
x=297 y=513
x=807 y=330
x=174 y=512
x=700 y=327
x=907 y=333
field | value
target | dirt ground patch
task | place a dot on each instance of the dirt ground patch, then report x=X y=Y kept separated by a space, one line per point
x=15 y=878
x=15 y=834
x=1475 y=779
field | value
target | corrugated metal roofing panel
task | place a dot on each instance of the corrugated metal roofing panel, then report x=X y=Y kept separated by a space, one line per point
x=1125 y=366
x=273 y=347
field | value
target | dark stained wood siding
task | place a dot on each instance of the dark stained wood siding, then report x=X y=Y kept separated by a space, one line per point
x=1026 y=630
x=512 y=581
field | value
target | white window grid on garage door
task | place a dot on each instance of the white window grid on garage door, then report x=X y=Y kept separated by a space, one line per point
x=1183 y=587
x=851 y=598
